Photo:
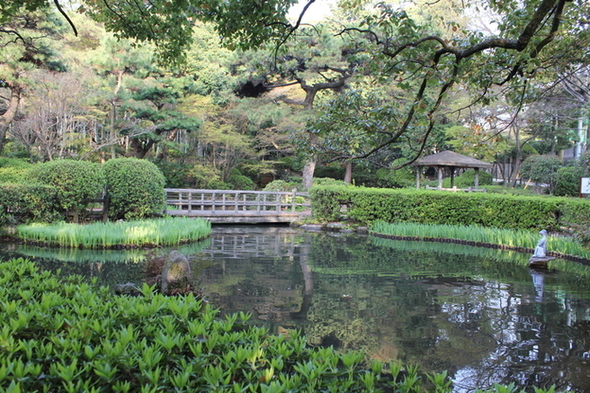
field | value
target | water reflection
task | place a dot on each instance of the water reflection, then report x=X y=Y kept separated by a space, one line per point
x=482 y=314
x=479 y=313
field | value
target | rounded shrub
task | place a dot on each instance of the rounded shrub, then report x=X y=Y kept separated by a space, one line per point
x=76 y=182
x=23 y=203
x=13 y=170
x=567 y=181
x=135 y=188
x=541 y=169
x=238 y=181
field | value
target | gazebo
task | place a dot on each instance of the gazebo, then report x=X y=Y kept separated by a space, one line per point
x=452 y=160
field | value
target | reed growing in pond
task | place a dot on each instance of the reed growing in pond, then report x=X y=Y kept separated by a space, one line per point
x=512 y=238
x=141 y=233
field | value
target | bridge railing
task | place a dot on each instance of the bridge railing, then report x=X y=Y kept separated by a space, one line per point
x=236 y=200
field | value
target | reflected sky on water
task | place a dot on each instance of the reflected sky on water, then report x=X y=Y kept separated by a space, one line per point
x=481 y=314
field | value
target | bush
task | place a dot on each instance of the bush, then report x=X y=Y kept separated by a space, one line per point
x=12 y=170
x=541 y=169
x=135 y=188
x=237 y=181
x=366 y=205
x=206 y=177
x=398 y=178
x=20 y=203
x=177 y=175
x=567 y=181
x=282 y=185
x=76 y=182
x=467 y=179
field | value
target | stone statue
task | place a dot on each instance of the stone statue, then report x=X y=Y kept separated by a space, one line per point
x=541 y=249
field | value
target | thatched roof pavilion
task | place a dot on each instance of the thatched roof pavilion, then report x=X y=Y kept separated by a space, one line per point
x=452 y=160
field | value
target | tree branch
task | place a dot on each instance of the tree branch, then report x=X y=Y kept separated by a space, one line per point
x=63 y=13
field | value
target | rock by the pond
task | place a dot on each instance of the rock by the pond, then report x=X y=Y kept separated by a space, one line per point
x=176 y=274
x=127 y=289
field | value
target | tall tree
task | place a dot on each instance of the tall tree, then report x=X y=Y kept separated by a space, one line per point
x=428 y=62
x=27 y=42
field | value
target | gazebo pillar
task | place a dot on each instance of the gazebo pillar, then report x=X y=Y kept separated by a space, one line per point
x=418 y=175
x=452 y=177
x=476 y=181
x=440 y=177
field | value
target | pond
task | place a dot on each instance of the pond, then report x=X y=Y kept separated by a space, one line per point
x=479 y=313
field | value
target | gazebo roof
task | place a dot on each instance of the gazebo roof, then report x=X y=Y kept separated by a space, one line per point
x=451 y=159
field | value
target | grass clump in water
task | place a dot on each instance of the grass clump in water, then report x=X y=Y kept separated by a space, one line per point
x=513 y=238
x=141 y=233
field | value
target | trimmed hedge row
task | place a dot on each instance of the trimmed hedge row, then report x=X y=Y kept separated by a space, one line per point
x=75 y=181
x=366 y=205
x=64 y=189
x=24 y=203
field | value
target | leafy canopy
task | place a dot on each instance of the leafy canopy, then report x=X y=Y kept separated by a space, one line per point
x=169 y=23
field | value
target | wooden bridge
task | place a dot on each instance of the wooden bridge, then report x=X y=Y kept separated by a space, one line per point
x=238 y=206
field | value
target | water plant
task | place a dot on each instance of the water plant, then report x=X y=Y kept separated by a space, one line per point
x=73 y=336
x=157 y=232
x=510 y=238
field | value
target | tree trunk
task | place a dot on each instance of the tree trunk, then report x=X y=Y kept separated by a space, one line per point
x=308 y=170
x=348 y=173
x=310 y=94
x=7 y=117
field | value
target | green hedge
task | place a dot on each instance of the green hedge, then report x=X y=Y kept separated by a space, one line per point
x=366 y=205
x=21 y=203
x=76 y=182
x=135 y=188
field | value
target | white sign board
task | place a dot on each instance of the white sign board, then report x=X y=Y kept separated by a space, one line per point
x=585 y=185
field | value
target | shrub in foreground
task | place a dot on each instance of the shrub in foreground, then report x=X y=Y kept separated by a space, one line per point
x=73 y=337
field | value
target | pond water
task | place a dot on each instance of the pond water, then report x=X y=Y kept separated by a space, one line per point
x=479 y=313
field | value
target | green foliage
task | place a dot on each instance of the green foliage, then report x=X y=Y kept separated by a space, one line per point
x=575 y=214
x=76 y=182
x=71 y=336
x=237 y=181
x=567 y=181
x=327 y=181
x=541 y=169
x=479 y=235
x=206 y=177
x=21 y=203
x=12 y=170
x=282 y=185
x=366 y=205
x=160 y=232
x=467 y=179
x=135 y=188
x=400 y=178
x=176 y=174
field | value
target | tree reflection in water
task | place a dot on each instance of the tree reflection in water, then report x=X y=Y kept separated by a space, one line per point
x=481 y=314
